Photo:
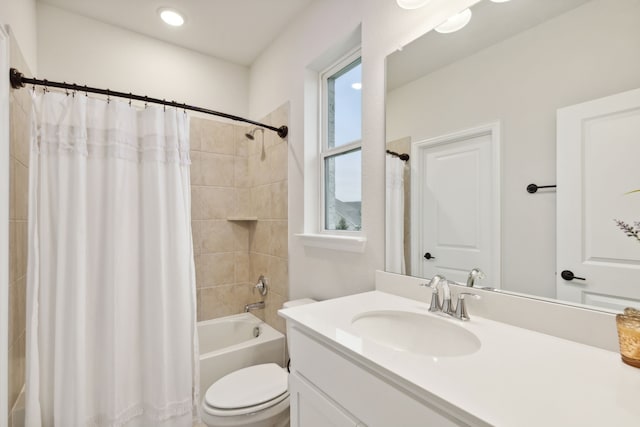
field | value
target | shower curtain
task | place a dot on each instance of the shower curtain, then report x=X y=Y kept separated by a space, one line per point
x=111 y=337
x=394 y=229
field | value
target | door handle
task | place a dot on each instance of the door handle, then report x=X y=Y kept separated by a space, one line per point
x=428 y=256
x=568 y=275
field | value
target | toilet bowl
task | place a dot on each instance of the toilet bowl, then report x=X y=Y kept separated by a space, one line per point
x=256 y=396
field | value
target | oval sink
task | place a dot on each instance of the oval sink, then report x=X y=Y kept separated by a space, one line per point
x=415 y=333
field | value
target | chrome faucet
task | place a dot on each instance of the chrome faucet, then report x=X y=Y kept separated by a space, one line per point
x=436 y=305
x=475 y=274
x=253 y=306
x=445 y=307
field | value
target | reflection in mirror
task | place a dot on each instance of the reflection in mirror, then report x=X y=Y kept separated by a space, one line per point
x=529 y=92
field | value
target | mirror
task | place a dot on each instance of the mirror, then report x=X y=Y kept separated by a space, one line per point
x=529 y=92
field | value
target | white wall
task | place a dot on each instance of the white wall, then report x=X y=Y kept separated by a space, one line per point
x=522 y=81
x=81 y=50
x=20 y=15
x=279 y=75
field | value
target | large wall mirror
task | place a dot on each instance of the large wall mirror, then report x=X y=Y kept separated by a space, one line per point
x=528 y=92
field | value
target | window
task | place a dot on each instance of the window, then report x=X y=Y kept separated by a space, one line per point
x=341 y=146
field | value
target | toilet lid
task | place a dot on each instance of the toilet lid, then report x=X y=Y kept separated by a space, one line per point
x=247 y=387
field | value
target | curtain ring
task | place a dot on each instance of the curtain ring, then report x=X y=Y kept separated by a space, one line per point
x=108 y=96
x=130 y=96
x=164 y=105
x=46 y=89
x=66 y=89
x=146 y=104
x=85 y=91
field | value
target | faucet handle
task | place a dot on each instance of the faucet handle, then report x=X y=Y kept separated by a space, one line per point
x=436 y=305
x=461 y=308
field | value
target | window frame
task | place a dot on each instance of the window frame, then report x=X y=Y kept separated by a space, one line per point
x=324 y=151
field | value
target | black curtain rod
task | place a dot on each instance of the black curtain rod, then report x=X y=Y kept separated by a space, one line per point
x=18 y=80
x=402 y=156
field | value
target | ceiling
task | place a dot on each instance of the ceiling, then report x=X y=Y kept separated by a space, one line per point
x=491 y=23
x=232 y=30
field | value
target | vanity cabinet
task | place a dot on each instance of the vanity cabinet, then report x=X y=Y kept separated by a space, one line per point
x=329 y=387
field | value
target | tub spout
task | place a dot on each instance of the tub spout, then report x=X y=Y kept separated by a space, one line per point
x=253 y=306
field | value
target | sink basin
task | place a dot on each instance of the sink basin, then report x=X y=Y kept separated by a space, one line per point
x=415 y=333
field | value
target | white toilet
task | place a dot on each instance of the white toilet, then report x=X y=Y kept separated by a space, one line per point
x=256 y=396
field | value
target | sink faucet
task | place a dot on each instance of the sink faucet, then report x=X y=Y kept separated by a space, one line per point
x=436 y=305
x=253 y=306
x=445 y=307
x=475 y=274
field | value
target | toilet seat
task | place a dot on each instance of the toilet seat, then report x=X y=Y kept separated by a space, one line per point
x=247 y=391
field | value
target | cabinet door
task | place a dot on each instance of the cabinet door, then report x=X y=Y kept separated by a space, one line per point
x=311 y=408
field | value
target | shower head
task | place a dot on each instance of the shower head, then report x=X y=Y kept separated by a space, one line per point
x=251 y=134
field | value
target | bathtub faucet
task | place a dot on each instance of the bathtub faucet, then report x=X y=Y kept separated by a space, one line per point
x=253 y=306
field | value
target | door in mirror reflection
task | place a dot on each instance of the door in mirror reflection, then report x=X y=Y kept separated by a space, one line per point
x=456 y=205
x=598 y=210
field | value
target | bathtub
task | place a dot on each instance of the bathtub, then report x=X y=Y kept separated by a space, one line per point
x=230 y=343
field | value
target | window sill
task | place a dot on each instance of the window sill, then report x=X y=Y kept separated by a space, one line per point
x=333 y=242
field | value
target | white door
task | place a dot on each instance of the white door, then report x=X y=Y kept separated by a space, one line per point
x=456 y=205
x=598 y=164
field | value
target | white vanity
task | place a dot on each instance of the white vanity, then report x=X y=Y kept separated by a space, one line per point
x=344 y=374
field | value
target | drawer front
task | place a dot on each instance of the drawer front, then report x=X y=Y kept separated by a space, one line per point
x=368 y=397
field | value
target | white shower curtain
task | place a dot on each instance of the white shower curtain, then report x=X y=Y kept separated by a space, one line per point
x=394 y=229
x=111 y=337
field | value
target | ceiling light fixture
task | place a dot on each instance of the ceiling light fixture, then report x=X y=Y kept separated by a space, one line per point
x=171 y=17
x=455 y=23
x=412 y=4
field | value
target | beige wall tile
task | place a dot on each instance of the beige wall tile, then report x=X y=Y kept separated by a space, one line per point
x=273 y=303
x=241 y=172
x=196 y=169
x=13 y=253
x=16 y=368
x=278 y=163
x=261 y=201
x=243 y=202
x=216 y=169
x=259 y=264
x=215 y=236
x=279 y=276
x=212 y=202
x=17 y=304
x=241 y=232
x=218 y=137
x=21 y=190
x=196 y=236
x=21 y=243
x=215 y=269
x=242 y=267
x=242 y=142
x=260 y=237
x=223 y=301
x=279 y=204
x=195 y=133
x=279 y=237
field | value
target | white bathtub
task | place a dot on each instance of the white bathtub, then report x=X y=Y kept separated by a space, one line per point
x=228 y=344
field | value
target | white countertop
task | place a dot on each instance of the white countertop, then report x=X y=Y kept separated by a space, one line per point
x=517 y=378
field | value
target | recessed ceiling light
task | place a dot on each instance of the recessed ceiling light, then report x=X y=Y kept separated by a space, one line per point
x=356 y=86
x=455 y=23
x=412 y=4
x=171 y=17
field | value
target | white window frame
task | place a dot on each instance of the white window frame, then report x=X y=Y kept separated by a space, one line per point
x=323 y=150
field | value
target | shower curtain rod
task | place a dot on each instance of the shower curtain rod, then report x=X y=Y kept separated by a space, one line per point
x=18 y=80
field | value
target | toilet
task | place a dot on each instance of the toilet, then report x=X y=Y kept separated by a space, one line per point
x=256 y=396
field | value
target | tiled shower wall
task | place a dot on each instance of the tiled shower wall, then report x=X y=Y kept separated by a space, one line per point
x=20 y=106
x=239 y=213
